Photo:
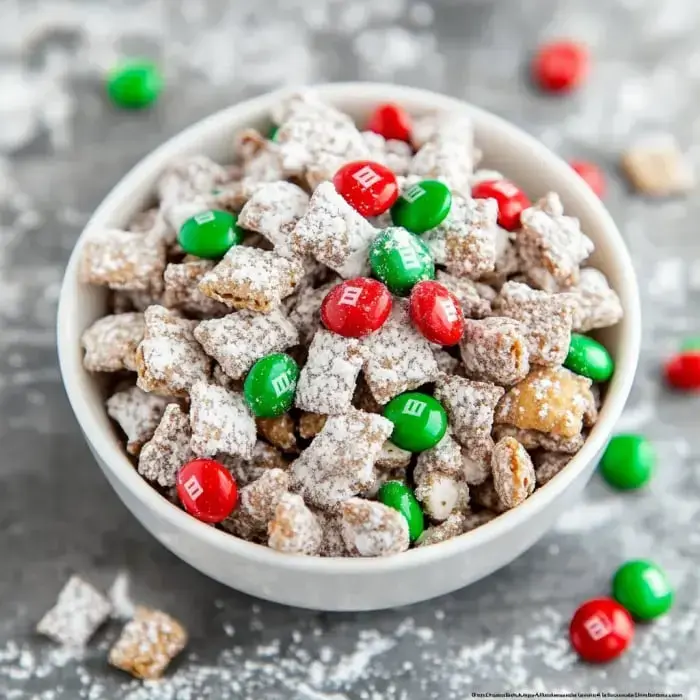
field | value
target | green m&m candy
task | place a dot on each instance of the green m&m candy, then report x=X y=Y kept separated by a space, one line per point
x=589 y=358
x=398 y=496
x=628 y=462
x=134 y=83
x=272 y=133
x=400 y=259
x=419 y=421
x=270 y=385
x=210 y=234
x=422 y=206
x=691 y=344
x=642 y=587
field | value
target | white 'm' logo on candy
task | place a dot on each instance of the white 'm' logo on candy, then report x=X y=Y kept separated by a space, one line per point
x=597 y=627
x=448 y=308
x=350 y=296
x=281 y=384
x=205 y=217
x=366 y=177
x=193 y=488
x=414 y=408
x=414 y=193
x=408 y=255
x=507 y=189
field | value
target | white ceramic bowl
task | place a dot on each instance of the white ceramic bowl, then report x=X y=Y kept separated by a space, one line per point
x=350 y=584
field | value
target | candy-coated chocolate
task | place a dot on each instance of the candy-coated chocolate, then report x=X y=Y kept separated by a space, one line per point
x=391 y=122
x=436 y=313
x=683 y=371
x=560 y=66
x=368 y=187
x=591 y=174
x=270 y=385
x=210 y=234
x=643 y=588
x=601 y=630
x=628 y=462
x=589 y=358
x=422 y=206
x=399 y=496
x=207 y=490
x=420 y=421
x=511 y=200
x=355 y=308
x=134 y=83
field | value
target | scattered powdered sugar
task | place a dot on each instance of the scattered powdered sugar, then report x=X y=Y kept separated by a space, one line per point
x=123 y=606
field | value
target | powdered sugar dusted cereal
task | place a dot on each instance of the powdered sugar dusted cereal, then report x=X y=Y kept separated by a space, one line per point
x=476 y=459
x=469 y=294
x=371 y=529
x=513 y=473
x=182 y=289
x=305 y=312
x=470 y=245
x=294 y=529
x=440 y=494
x=534 y=439
x=548 y=465
x=445 y=457
x=392 y=457
x=596 y=305
x=452 y=526
x=110 y=343
x=279 y=432
x=395 y=154
x=246 y=471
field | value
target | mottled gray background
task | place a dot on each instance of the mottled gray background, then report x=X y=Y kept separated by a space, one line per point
x=62 y=147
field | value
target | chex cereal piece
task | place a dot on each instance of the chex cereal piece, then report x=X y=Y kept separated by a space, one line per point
x=279 y=432
x=327 y=380
x=138 y=414
x=440 y=494
x=261 y=157
x=476 y=459
x=447 y=363
x=548 y=465
x=392 y=458
x=168 y=449
x=78 y=613
x=486 y=496
x=272 y=211
x=656 y=166
x=294 y=529
x=182 y=289
x=334 y=233
x=311 y=424
x=534 y=439
x=305 y=313
x=153 y=224
x=381 y=476
x=147 y=644
x=124 y=301
x=251 y=278
x=550 y=400
x=475 y=304
x=123 y=260
x=495 y=350
x=246 y=471
x=371 y=529
x=451 y=527
x=513 y=473
x=445 y=457
x=470 y=405
x=332 y=542
x=507 y=260
x=551 y=246
x=186 y=177
x=238 y=340
x=396 y=155
x=110 y=343
x=222 y=379
x=169 y=359
x=399 y=358
x=339 y=462
x=547 y=318
x=596 y=305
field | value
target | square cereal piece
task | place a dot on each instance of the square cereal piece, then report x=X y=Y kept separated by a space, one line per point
x=251 y=278
x=513 y=473
x=147 y=644
x=261 y=158
x=110 y=343
x=153 y=224
x=371 y=529
x=279 y=431
x=550 y=245
x=476 y=459
x=395 y=155
x=475 y=302
x=188 y=176
x=534 y=439
x=596 y=305
x=182 y=289
x=169 y=359
x=79 y=611
x=547 y=319
x=138 y=414
x=327 y=380
x=392 y=458
x=123 y=260
x=470 y=245
x=238 y=340
x=169 y=449
x=305 y=312
x=399 y=358
x=334 y=233
x=294 y=529
x=440 y=494
x=339 y=463
x=220 y=421
x=246 y=471
x=446 y=530
x=445 y=457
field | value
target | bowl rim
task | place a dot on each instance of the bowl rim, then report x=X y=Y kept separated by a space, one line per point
x=68 y=336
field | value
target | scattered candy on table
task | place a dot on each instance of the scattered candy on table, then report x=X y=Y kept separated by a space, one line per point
x=643 y=589
x=390 y=121
x=270 y=385
x=682 y=371
x=422 y=207
x=591 y=174
x=399 y=496
x=420 y=421
x=589 y=358
x=134 y=83
x=356 y=308
x=691 y=344
x=436 y=313
x=601 y=630
x=210 y=234
x=368 y=187
x=512 y=201
x=628 y=462
x=207 y=490
x=560 y=66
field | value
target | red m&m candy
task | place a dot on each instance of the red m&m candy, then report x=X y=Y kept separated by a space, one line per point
x=436 y=313
x=368 y=187
x=683 y=371
x=391 y=121
x=207 y=490
x=511 y=200
x=560 y=66
x=356 y=307
x=591 y=174
x=601 y=630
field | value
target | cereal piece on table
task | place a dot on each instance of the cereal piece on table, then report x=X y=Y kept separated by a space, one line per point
x=371 y=529
x=399 y=358
x=327 y=380
x=189 y=176
x=138 y=414
x=392 y=457
x=446 y=363
x=147 y=644
x=238 y=340
x=305 y=313
x=110 y=343
x=251 y=278
x=486 y=496
x=339 y=463
x=221 y=422
x=332 y=543
x=78 y=613
x=182 y=289
x=452 y=526
x=513 y=473
x=470 y=295
x=169 y=448
x=547 y=318
x=169 y=359
x=548 y=465
x=440 y=494
x=495 y=350
x=294 y=529
x=396 y=155
x=551 y=246
x=549 y=400
x=476 y=459
x=596 y=305
x=534 y=439
x=334 y=233
x=445 y=457
x=279 y=432
x=123 y=260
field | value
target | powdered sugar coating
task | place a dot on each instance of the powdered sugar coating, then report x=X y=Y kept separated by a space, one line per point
x=596 y=305
x=476 y=459
x=513 y=473
x=182 y=289
x=451 y=527
x=446 y=363
x=110 y=343
x=470 y=245
x=371 y=529
x=534 y=439
x=392 y=457
x=279 y=431
x=261 y=157
x=188 y=176
x=548 y=465
x=246 y=471
x=395 y=155
x=507 y=260
x=469 y=294
x=445 y=457
x=294 y=529
x=440 y=494
x=305 y=313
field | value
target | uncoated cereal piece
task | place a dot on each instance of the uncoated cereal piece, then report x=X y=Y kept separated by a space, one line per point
x=294 y=529
x=596 y=305
x=188 y=176
x=138 y=414
x=399 y=358
x=551 y=245
x=123 y=260
x=169 y=449
x=78 y=613
x=495 y=350
x=395 y=155
x=311 y=424
x=547 y=318
x=475 y=304
x=147 y=644
x=327 y=380
x=238 y=340
x=371 y=529
x=534 y=439
x=334 y=233
x=548 y=465
x=470 y=245
x=169 y=359
x=339 y=462
x=440 y=494
x=279 y=431
x=513 y=473
x=221 y=422
x=182 y=289
x=110 y=343
x=445 y=457
x=251 y=278
x=392 y=458
x=451 y=527
x=550 y=400
x=476 y=459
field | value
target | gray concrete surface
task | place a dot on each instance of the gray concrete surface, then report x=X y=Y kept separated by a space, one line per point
x=62 y=147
